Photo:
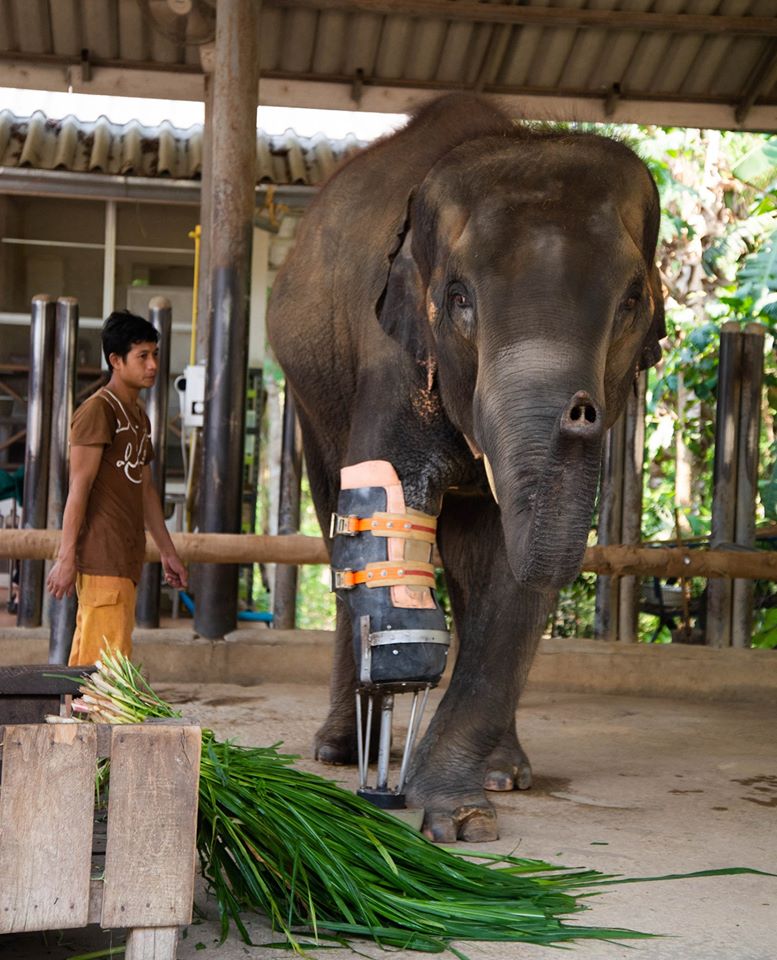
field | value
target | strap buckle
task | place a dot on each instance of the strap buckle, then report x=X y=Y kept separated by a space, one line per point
x=343 y=526
x=342 y=579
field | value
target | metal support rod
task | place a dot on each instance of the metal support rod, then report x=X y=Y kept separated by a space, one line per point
x=631 y=516
x=62 y=613
x=235 y=82
x=747 y=475
x=285 y=592
x=161 y=316
x=724 y=494
x=384 y=744
x=609 y=531
x=36 y=458
x=413 y=726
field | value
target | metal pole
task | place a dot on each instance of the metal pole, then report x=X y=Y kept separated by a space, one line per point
x=285 y=592
x=747 y=475
x=206 y=225
x=149 y=588
x=631 y=523
x=62 y=613
x=36 y=458
x=609 y=531
x=724 y=494
x=235 y=81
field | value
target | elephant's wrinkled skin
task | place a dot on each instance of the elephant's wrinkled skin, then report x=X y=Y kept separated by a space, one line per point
x=471 y=285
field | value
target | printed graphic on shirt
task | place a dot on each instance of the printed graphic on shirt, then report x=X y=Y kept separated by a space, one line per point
x=137 y=440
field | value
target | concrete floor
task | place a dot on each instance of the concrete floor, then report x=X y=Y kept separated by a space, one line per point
x=635 y=786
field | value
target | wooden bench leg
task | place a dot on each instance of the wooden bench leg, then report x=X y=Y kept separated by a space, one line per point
x=151 y=943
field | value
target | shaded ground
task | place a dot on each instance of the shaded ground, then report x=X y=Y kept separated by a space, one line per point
x=623 y=785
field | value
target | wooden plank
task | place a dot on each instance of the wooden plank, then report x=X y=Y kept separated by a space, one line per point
x=46 y=805
x=152 y=824
x=37 y=680
x=156 y=943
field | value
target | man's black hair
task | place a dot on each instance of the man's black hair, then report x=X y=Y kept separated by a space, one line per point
x=122 y=330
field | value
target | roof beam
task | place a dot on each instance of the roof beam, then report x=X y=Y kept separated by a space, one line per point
x=757 y=81
x=545 y=16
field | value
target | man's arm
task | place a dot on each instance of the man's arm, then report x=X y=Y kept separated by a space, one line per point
x=84 y=464
x=154 y=519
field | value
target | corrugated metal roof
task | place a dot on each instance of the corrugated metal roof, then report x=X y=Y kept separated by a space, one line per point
x=709 y=61
x=132 y=149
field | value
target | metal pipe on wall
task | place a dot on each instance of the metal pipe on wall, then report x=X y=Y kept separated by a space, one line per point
x=752 y=369
x=62 y=613
x=285 y=590
x=724 y=495
x=36 y=458
x=160 y=314
x=235 y=82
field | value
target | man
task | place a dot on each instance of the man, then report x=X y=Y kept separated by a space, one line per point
x=111 y=497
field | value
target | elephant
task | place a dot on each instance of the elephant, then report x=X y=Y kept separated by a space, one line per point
x=470 y=300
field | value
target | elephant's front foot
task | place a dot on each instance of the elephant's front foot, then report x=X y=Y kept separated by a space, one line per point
x=508 y=767
x=473 y=823
x=335 y=743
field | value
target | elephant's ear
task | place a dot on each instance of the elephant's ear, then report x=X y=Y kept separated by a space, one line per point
x=651 y=348
x=400 y=308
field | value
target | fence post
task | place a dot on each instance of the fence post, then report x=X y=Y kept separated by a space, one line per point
x=36 y=458
x=149 y=588
x=743 y=591
x=285 y=590
x=62 y=613
x=724 y=494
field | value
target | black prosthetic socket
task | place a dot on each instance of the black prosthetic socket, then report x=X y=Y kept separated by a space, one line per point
x=399 y=645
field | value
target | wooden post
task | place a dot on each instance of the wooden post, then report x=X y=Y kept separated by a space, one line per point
x=719 y=592
x=631 y=522
x=36 y=459
x=610 y=528
x=285 y=591
x=235 y=82
x=149 y=588
x=62 y=613
x=747 y=475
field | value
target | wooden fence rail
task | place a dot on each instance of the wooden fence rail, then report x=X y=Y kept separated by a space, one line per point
x=297 y=549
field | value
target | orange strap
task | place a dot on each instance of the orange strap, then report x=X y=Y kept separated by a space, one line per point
x=415 y=573
x=403 y=525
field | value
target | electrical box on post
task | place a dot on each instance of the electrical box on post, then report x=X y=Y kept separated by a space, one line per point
x=191 y=390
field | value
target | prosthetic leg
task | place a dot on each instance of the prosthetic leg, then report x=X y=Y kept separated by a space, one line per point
x=382 y=570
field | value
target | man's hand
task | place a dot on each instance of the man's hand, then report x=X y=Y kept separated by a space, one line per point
x=61 y=580
x=175 y=571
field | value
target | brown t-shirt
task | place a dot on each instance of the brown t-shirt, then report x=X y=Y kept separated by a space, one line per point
x=112 y=539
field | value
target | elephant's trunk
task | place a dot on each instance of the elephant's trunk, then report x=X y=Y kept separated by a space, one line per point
x=545 y=466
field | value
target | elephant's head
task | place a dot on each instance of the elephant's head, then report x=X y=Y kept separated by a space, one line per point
x=526 y=269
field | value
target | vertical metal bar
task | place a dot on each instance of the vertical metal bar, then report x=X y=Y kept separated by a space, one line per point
x=724 y=494
x=109 y=258
x=610 y=516
x=36 y=458
x=747 y=475
x=285 y=592
x=149 y=588
x=62 y=613
x=361 y=765
x=368 y=735
x=235 y=82
x=631 y=519
x=384 y=744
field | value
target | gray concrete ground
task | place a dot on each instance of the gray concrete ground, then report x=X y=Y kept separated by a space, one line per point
x=635 y=786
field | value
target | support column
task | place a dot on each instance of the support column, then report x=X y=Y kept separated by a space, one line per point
x=609 y=529
x=752 y=369
x=62 y=613
x=723 y=525
x=36 y=459
x=235 y=81
x=285 y=591
x=631 y=523
x=206 y=226
x=149 y=588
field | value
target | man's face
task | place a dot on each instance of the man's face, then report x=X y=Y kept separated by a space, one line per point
x=139 y=368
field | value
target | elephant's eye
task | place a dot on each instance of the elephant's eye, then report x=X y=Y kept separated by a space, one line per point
x=460 y=308
x=632 y=299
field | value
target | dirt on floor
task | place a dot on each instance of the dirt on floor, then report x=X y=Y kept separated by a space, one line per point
x=638 y=787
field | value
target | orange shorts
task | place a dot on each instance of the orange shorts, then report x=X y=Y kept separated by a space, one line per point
x=105 y=618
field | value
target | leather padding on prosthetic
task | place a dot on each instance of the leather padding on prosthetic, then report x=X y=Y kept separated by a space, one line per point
x=382 y=570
